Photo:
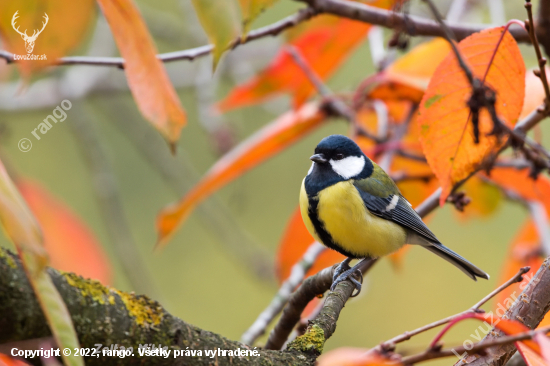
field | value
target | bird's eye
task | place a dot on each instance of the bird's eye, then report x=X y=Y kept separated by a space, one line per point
x=338 y=156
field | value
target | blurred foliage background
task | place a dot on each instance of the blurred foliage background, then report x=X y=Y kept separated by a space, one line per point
x=206 y=277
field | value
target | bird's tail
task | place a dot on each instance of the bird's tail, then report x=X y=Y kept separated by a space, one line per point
x=461 y=263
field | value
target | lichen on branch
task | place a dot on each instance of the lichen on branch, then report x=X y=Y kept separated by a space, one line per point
x=107 y=316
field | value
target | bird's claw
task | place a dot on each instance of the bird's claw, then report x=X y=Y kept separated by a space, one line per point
x=348 y=275
x=342 y=267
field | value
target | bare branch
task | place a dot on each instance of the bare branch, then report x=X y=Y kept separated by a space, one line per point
x=314 y=286
x=412 y=25
x=107 y=316
x=190 y=54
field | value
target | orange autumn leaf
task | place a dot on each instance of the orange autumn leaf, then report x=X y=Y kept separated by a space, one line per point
x=348 y=356
x=511 y=327
x=70 y=244
x=408 y=76
x=295 y=242
x=151 y=88
x=6 y=360
x=326 y=42
x=444 y=117
x=265 y=143
x=519 y=182
x=58 y=27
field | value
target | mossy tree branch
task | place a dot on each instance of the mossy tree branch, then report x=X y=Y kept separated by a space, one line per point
x=106 y=316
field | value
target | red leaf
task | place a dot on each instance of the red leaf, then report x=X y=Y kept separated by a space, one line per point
x=347 y=356
x=71 y=245
x=6 y=360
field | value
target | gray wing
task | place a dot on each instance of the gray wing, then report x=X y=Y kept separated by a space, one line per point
x=397 y=209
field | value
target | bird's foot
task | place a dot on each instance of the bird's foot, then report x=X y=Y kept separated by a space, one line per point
x=348 y=275
x=342 y=267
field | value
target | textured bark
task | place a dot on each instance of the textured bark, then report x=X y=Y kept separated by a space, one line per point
x=529 y=308
x=107 y=316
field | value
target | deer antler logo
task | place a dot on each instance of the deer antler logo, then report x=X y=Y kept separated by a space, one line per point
x=29 y=40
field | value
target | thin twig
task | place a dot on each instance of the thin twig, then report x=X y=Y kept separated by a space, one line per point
x=409 y=24
x=432 y=354
x=518 y=277
x=310 y=74
x=313 y=286
x=404 y=177
x=416 y=27
x=189 y=54
x=332 y=103
x=390 y=344
x=449 y=35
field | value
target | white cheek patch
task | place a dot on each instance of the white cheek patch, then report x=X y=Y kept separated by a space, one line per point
x=348 y=167
x=311 y=169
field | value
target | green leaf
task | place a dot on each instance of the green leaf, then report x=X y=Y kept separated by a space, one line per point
x=23 y=230
x=222 y=23
x=251 y=9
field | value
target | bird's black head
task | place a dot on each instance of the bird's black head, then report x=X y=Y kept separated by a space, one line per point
x=337 y=158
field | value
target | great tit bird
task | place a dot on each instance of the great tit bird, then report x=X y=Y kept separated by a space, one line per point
x=351 y=205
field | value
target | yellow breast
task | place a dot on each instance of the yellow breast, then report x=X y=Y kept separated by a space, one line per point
x=352 y=227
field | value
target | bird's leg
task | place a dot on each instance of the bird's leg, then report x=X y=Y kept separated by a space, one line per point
x=342 y=267
x=347 y=275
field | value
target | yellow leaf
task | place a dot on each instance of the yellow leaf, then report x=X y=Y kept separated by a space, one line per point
x=221 y=22
x=251 y=9
x=22 y=229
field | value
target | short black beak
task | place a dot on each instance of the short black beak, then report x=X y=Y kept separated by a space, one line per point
x=318 y=158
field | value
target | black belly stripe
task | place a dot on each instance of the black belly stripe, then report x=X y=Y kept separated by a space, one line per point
x=324 y=235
